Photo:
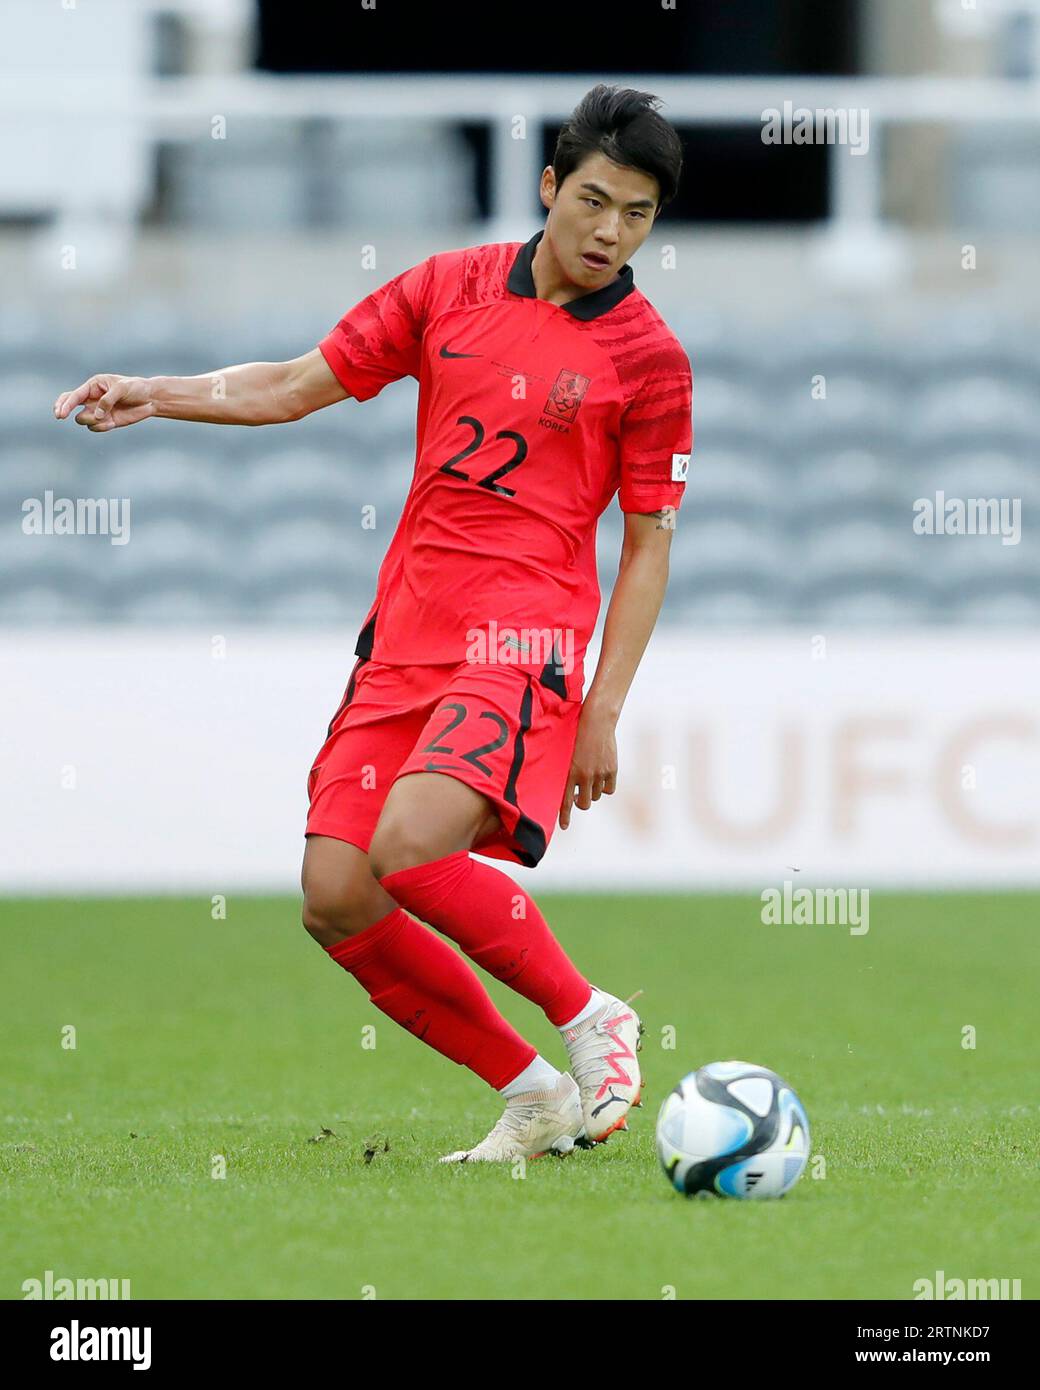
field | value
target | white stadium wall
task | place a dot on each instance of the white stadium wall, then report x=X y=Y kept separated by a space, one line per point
x=167 y=761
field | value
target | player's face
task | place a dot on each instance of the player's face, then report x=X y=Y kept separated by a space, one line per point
x=598 y=218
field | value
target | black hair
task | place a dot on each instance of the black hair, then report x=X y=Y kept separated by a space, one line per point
x=624 y=125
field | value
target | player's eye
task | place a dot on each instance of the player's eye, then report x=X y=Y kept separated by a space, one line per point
x=595 y=201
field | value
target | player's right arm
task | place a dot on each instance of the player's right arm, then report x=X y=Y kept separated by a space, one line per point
x=254 y=393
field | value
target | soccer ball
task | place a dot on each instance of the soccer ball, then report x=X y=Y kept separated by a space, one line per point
x=732 y=1129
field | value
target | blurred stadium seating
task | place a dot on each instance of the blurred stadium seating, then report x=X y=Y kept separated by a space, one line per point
x=862 y=327
x=799 y=506
x=799 y=509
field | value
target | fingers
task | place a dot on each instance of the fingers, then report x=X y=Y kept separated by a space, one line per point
x=590 y=787
x=69 y=400
x=105 y=391
x=583 y=799
x=115 y=392
x=602 y=785
x=96 y=426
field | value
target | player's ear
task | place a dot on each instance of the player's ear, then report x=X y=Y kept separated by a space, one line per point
x=547 y=189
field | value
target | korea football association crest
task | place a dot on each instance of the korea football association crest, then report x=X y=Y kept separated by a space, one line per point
x=566 y=396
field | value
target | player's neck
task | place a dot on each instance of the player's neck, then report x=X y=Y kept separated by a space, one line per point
x=550 y=283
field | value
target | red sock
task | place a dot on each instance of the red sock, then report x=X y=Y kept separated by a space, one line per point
x=419 y=981
x=498 y=925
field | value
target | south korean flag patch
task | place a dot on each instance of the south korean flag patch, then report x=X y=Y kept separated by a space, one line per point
x=680 y=467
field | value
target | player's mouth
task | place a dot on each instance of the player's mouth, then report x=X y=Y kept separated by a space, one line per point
x=595 y=261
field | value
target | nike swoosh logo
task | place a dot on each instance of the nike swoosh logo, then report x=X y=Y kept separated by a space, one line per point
x=445 y=352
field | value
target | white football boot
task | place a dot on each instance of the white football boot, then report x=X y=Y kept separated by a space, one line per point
x=602 y=1049
x=533 y=1123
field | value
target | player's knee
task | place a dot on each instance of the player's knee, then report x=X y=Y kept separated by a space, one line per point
x=397 y=845
x=332 y=913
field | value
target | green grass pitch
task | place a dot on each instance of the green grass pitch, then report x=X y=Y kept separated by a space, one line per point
x=239 y=1038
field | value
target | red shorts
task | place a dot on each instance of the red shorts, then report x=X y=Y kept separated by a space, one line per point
x=497 y=729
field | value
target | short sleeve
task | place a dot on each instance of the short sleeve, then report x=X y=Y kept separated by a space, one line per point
x=380 y=339
x=656 y=438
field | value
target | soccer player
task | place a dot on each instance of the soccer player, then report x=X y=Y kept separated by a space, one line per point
x=547 y=384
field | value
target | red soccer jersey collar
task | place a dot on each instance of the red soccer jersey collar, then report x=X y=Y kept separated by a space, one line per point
x=586 y=306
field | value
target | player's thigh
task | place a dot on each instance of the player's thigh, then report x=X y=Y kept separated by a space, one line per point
x=374 y=730
x=496 y=746
x=426 y=816
x=340 y=893
x=507 y=739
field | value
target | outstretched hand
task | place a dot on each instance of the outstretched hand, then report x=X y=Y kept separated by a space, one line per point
x=109 y=402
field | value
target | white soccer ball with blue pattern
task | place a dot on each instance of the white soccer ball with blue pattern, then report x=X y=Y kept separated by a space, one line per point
x=735 y=1130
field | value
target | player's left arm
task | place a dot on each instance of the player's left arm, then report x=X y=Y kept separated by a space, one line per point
x=634 y=606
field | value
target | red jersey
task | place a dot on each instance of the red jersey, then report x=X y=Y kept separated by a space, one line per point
x=531 y=416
